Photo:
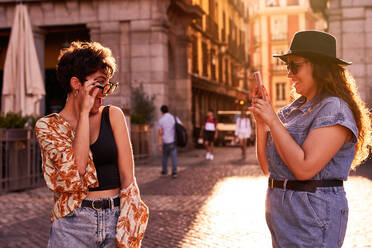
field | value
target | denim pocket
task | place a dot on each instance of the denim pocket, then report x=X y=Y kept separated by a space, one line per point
x=71 y=214
x=319 y=207
x=343 y=224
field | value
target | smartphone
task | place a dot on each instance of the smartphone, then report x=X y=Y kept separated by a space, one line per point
x=258 y=80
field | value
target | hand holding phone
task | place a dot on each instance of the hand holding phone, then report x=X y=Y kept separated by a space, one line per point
x=258 y=80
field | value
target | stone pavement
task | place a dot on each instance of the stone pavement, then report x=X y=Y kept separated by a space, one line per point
x=216 y=203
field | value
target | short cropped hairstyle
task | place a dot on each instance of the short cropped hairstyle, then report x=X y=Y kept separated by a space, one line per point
x=82 y=59
x=164 y=109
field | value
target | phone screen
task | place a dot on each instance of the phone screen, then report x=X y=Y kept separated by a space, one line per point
x=258 y=80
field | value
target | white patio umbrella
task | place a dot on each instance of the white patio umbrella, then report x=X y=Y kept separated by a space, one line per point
x=23 y=85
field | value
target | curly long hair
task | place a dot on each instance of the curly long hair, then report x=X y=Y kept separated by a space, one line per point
x=334 y=80
x=82 y=59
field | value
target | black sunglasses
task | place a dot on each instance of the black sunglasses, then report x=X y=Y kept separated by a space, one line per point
x=293 y=66
x=108 y=88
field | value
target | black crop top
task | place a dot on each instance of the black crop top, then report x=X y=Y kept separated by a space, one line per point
x=105 y=155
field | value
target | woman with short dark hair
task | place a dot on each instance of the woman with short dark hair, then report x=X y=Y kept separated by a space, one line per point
x=87 y=157
x=310 y=145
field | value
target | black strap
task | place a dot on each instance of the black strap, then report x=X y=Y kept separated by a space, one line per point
x=308 y=186
x=175 y=129
x=106 y=114
x=100 y=204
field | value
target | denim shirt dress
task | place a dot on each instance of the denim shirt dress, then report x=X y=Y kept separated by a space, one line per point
x=305 y=219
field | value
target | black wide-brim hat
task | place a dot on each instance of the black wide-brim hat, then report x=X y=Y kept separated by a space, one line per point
x=313 y=44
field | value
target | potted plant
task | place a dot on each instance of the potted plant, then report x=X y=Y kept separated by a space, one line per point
x=142 y=117
x=143 y=107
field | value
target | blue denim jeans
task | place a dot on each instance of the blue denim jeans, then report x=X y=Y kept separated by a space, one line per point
x=307 y=220
x=170 y=149
x=85 y=227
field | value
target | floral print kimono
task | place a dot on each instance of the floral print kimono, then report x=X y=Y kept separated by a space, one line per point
x=61 y=175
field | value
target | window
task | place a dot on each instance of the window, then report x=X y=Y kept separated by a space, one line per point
x=220 y=67
x=223 y=34
x=271 y=3
x=194 y=48
x=227 y=71
x=292 y=2
x=278 y=28
x=278 y=64
x=280 y=91
x=205 y=59
x=213 y=64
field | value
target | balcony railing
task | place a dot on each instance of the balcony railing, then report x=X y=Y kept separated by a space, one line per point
x=238 y=52
x=212 y=28
x=279 y=67
x=292 y=2
x=278 y=36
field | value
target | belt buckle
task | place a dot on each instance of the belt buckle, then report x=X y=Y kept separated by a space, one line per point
x=94 y=206
x=271 y=183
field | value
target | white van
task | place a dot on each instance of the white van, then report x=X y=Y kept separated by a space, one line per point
x=226 y=120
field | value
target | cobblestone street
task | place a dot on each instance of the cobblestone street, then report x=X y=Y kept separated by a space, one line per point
x=216 y=203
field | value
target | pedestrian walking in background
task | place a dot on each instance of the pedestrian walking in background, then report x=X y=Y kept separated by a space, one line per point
x=243 y=131
x=167 y=140
x=87 y=157
x=310 y=145
x=209 y=134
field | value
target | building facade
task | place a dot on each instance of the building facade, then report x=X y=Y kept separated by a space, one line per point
x=219 y=57
x=351 y=23
x=189 y=54
x=272 y=26
x=149 y=39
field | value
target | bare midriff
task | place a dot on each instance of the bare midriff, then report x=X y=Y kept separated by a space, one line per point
x=103 y=193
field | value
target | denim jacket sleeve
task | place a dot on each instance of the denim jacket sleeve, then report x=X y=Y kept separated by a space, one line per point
x=335 y=111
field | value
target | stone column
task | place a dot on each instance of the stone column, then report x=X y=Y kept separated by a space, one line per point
x=125 y=65
x=39 y=39
x=149 y=65
x=368 y=52
x=181 y=95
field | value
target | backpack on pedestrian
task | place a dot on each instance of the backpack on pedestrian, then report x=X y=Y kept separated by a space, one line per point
x=180 y=134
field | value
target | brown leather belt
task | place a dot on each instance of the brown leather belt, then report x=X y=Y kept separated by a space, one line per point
x=100 y=204
x=308 y=186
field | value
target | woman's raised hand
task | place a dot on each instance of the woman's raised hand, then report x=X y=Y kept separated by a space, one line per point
x=87 y=94
x=262 y=108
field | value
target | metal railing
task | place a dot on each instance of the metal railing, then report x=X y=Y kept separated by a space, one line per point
x=20 y=160
x=279 y=67
x=278 y=36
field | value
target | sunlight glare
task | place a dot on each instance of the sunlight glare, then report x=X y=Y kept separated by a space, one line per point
x=233 y=216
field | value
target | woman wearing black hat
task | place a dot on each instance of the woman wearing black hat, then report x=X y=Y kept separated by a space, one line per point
x=310 y=145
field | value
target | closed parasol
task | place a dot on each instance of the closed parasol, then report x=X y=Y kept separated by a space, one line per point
x=23 y=84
